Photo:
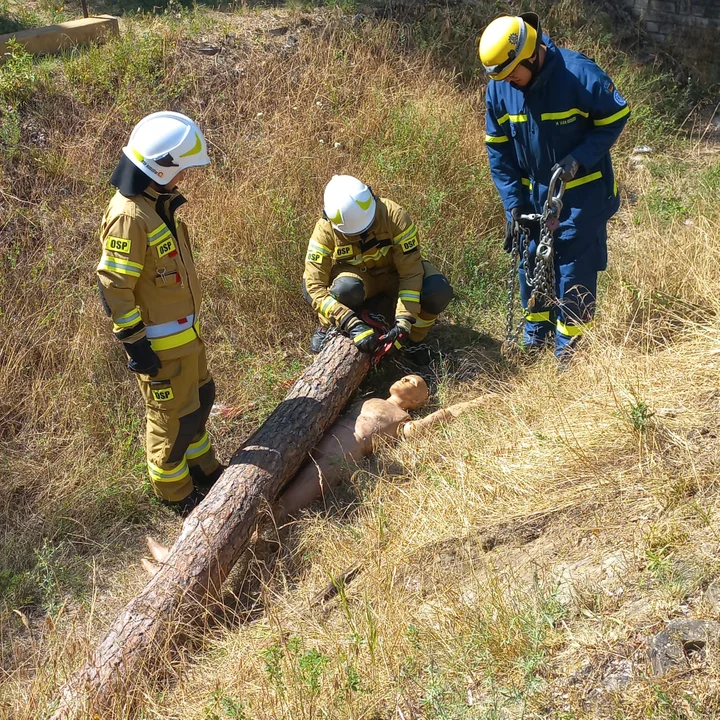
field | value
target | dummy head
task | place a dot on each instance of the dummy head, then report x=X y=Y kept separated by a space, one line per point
x=410 y=392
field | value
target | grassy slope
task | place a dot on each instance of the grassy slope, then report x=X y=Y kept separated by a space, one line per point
x=468 y=539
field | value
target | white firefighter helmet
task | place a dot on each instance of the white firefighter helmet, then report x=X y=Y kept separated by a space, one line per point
x=349 y=205
x=164 y=143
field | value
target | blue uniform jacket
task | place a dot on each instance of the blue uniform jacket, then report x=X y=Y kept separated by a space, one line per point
x=572 y=107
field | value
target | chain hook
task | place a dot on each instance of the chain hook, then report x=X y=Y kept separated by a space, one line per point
x=542 y=277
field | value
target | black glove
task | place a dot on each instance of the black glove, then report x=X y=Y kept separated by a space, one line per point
x=515 y=213
x=569 y=166
x=143 y=359
x=364 y=337
x=400 y=332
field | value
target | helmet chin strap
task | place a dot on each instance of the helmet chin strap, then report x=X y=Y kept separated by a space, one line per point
x=533 y=64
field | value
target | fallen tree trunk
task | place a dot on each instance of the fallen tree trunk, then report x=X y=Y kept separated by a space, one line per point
x=213 y=537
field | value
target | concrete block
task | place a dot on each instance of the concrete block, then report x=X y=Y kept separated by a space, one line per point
x=663 y=6
x=712 y=13
x=63 y=36
x=668 y=18
x=695 y=21
x=670 y=30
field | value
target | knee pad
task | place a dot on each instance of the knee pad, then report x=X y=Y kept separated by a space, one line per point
x=206 y=394
x=436 y=294
x=348 y=290
x=189 y=425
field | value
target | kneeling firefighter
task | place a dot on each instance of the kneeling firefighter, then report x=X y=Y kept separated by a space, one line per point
x=150 y=289
x=365 y=245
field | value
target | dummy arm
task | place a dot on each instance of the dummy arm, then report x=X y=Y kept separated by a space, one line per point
x=415 y=428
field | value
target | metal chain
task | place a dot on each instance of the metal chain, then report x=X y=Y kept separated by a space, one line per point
x=541 y=279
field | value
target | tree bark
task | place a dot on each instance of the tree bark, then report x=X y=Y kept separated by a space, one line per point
x=213 y=537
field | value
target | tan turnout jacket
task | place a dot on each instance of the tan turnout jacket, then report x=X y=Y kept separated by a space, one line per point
x=389 y=245
x=146 y=273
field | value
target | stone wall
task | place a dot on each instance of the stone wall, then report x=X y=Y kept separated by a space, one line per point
x=686 y=29
x=665 y=19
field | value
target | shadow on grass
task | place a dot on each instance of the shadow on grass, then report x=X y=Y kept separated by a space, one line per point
x=11 y=23
x=120 y=7
x=449 y=29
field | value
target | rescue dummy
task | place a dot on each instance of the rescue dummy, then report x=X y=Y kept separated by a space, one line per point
x=352 y=437
x=549 y=108
x=363 y=246
x=149 y=287
x=356 y=434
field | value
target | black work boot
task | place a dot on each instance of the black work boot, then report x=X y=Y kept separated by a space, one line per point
x=318 y=339
x=203 y=482
x=418 y=353
x=185 y=506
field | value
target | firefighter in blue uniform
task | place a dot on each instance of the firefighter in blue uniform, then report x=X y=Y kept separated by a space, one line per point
x=555 y=108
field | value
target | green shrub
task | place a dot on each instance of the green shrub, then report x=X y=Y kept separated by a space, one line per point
x=131 y=72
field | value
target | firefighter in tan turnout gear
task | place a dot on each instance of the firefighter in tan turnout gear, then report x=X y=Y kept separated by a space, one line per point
x=149 y=287
x=363 y=246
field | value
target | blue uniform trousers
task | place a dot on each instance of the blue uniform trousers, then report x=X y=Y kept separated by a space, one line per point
x=576 y=268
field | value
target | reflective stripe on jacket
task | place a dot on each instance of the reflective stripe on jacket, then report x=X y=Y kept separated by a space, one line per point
x=146 y=272
x=390 y=244
x=572 y=107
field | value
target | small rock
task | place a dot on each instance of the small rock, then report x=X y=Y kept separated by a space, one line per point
x=291 y=42
x=643 y=149
x=602 y=575
x=208 y=49
x=712 y=596
x=619 y=675
x=283 y=30
x=681 y=643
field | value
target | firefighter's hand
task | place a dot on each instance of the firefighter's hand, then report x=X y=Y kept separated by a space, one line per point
x=569 y=166
x=515 y=214
x=362 y=335
x=400 y=332
x=142 y=358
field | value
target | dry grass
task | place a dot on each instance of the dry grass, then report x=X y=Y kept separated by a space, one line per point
x=463 y=607
x=523 y=552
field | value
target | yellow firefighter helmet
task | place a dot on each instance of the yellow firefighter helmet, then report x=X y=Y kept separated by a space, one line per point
x=507 y=41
